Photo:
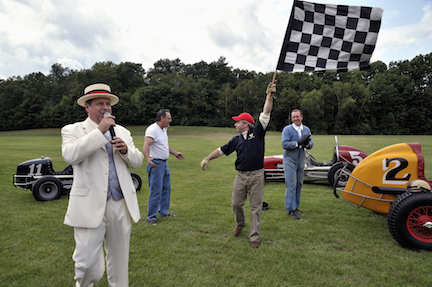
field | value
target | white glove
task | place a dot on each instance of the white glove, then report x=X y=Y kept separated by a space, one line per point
x=204 y=163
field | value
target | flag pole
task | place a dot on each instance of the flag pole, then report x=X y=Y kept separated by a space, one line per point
x=274 y=76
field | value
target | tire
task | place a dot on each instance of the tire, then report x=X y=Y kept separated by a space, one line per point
x=410 y=220
x=47 y=189
x=335 y=174
x=136 y=179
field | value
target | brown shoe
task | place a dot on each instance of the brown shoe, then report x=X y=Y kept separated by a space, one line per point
x=254 y=244
x=237 y=231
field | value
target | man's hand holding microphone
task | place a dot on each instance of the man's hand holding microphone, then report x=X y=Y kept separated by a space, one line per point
x=108 y=123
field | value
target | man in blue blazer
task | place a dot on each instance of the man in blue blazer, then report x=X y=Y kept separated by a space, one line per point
x=295 y=138
x=102 y=201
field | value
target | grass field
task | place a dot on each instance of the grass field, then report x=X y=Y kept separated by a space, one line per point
x=333 y=244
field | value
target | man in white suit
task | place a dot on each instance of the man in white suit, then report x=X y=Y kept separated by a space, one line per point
x=102 y=201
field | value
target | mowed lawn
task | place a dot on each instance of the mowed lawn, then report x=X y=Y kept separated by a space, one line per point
x=334 y=244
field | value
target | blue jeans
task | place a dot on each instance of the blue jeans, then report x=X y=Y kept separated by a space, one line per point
x=160 y=189
x=294 y=175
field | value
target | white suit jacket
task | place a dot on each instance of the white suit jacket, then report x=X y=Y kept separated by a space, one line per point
x=83 y=146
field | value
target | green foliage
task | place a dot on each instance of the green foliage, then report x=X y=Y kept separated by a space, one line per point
x=377 y=101
x=311 y=105
x=333 y=244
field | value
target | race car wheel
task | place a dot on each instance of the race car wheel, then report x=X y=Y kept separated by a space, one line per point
x=47 y=188
x=410 y=220
x=136 y=179
x=335 y=174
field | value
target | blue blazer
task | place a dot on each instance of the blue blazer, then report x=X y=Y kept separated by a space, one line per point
x=292 y=154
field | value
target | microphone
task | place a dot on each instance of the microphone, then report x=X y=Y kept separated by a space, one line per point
x=111 y=128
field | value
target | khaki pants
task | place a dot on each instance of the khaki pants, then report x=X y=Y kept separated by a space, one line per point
x=249 y=183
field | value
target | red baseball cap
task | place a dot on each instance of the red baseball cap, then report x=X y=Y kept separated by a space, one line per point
x=244 y=117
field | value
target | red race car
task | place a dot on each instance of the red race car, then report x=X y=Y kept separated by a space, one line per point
x=345 y=158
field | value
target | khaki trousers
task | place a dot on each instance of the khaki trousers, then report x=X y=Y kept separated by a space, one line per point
x=249 y=183
x=114 y=232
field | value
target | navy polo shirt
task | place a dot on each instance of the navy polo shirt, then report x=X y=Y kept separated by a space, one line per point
x=250 y=151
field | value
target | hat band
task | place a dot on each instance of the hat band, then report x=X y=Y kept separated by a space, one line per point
x=98 y=92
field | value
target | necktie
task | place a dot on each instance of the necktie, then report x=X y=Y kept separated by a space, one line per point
x=113 y=182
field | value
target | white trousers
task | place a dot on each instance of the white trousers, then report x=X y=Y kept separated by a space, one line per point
x=114 y=232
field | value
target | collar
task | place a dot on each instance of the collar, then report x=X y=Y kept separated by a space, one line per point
x=298 y=128
x=244 y=134
x=164 y=129
x=93 y=124
x=88 y=125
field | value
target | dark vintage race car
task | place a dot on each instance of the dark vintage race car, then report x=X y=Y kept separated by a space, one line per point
x=344 y=158
x=392 y=181
x=47 y=184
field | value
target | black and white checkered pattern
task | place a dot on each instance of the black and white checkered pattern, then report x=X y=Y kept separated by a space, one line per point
x=329 y=37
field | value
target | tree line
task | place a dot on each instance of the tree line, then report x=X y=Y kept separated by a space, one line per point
x=394 y=99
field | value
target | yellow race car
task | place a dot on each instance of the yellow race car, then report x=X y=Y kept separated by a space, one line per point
x=391 y=181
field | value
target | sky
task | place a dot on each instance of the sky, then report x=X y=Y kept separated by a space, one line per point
x=35 y=34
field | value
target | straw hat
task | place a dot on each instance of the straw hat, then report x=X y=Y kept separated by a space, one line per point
x=97 y=91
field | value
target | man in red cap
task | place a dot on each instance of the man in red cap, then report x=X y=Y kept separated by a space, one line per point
x=249 y=146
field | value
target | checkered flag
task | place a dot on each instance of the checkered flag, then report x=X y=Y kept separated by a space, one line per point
x=325 y=37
